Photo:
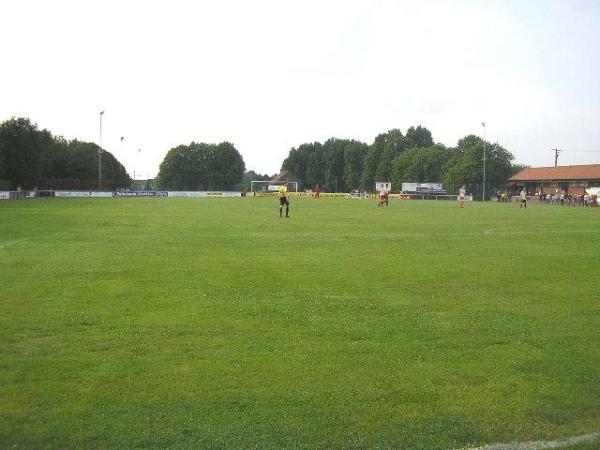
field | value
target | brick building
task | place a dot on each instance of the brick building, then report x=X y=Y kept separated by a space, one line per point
x=571 y=179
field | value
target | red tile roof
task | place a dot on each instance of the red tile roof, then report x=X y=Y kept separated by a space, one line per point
x=284 y=175
x=587 y=172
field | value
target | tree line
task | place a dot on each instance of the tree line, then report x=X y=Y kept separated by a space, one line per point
x=32 y=158
x=413 y=157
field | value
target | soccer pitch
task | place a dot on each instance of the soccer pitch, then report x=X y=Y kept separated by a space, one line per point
x=213 y=323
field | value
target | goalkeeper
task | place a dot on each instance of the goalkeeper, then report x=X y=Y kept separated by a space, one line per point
x=283 y=200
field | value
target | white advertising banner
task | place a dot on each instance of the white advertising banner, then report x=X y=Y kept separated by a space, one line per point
x=380 y=185
x=4 y=195
x=140 y=194
x=415 y=187
x=82 y=194
x=593 y=191
x=223 y=194
x=197 y=194
x=185 y=194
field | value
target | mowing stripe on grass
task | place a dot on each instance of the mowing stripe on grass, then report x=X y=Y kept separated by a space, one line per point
x=9 y=243
x=542 y=445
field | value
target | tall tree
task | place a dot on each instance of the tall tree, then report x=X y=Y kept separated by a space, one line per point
x=393 y=145
x=201 y=166
x=315 y=170
x=4 y=183
x=333 y=152
x=467 y=165
x=26 y=152
x=419 y=137
x=371 y=162
x=336 y=164
x=34 y=158
x=421 y=165
x=303 y=162
x=354 y=155
x=229 y=164
x=75 y=166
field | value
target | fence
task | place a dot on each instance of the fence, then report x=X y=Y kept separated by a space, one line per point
x=16 y=195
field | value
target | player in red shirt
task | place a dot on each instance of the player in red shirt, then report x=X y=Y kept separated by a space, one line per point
x=317 y=191
x=383 y=197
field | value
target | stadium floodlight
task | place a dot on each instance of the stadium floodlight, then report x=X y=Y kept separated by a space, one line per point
x=134 y=164
x=483 y=197
x=100 y=155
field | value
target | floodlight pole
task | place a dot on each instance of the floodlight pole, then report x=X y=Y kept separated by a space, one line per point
x=483 y=125
x=100 y=155
x=135 y=164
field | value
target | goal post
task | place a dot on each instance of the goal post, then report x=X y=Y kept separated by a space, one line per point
x=272 y=186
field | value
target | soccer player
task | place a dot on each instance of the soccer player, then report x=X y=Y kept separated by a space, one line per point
x=317 y=191
x=461 y=196
x=283 y=200
x=383 y=197
x=523 y=197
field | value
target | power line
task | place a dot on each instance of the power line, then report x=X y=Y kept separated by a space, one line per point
x=580 y=151
x=557 y=151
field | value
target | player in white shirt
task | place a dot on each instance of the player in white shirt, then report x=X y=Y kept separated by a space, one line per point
x=461 y=196
x=383 y=197
x=523 y=197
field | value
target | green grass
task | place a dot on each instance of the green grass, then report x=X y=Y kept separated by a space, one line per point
x=129 y=323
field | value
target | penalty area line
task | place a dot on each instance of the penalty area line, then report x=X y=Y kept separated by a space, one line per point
x=541 y=445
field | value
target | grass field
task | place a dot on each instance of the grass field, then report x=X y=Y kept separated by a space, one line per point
x=213 y=323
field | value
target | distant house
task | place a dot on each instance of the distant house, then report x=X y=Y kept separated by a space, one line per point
x=571 y=179
x=143 y=185
x=283 y=176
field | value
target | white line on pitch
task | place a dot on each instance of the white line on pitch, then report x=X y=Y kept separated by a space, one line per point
x=542 y=445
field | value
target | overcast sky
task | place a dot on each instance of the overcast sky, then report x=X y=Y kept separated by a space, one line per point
x=271 y=75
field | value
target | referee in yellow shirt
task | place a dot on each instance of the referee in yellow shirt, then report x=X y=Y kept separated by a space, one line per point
x=283 y=200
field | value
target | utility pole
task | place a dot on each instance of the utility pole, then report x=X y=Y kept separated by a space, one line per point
x=483 y=197
x=556 y=152
x=135 y=165
x=100 y=155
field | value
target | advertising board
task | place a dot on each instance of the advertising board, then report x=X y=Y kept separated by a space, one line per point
x=421 y=187
x=82 y=194
x=140 y=194
x=198 y=194
x=593 y=191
